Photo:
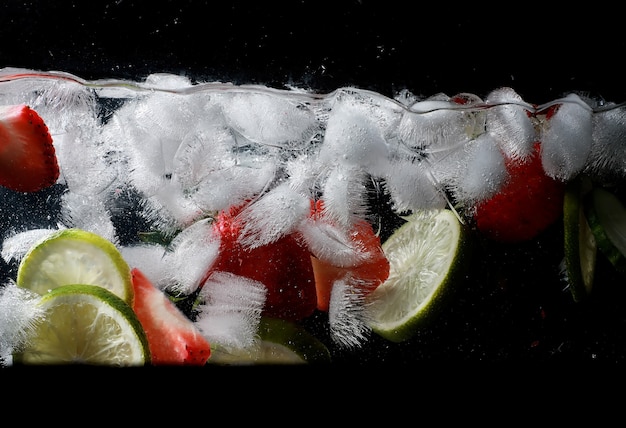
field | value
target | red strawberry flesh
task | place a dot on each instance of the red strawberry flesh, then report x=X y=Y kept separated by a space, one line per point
x=28 y=160
x=172 y=337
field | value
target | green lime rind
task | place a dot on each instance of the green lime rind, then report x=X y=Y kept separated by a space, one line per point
x=580 y=246
x=428 y=256
x=85 y=324
x=75 y=256
x=607 y=218
x=280 y=342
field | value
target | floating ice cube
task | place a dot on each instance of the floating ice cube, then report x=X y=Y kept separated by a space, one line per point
x=189 y=257
x=566 y=139
x=230 y=310
x=270 y=119
x=438 y=124
x=475 y=172
x=412 y=186
x=608 y=148
x=19 y=314
x=88 y=213
x=347 y=317
x=509 y=123
x=16 y=245
x=355 y=135
x=276 y=214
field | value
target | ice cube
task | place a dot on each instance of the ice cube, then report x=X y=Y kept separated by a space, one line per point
x=412 y=186
x=19 y=314
x=607 y=156
x=230 y=310
x=566 y=139
x=509 y=123
x=356 y=135
x=190 y=256
x=270 y=119
x=276 y=214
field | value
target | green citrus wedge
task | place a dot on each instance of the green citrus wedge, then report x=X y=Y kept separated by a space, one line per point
x=280 y=342
x=426 y=255
x=607 y=218
x=85 y=324
x=75 y=256
x=579 y=242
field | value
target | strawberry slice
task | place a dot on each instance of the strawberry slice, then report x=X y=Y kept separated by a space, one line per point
x=529 y=202
x=28 y=161
x=172 y=337
x=369 y=274
x=283 y=266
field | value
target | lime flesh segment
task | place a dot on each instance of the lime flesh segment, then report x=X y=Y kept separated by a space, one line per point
x=75 y=256
x=85 y=324
x=425 y=256
x=281 y=342
x=579 y=241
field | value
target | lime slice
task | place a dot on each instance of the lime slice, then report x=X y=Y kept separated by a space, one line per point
x=281 y=342
x=579 y=241
x=426 y=255
x=75 y=256
x=607 y=218
x=85 y=324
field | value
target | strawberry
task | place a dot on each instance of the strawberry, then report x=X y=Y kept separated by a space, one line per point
x=283 y=266
x=28 y=161
x=529 y=202
x=369 y=274
x=172 y=337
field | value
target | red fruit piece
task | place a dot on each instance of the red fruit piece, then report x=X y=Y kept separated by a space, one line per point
x=283 y=266
x=28 y=160
x=529 y=202
x=369 y=274
x=172 y=337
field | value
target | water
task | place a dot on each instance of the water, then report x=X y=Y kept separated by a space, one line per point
x=159 y=157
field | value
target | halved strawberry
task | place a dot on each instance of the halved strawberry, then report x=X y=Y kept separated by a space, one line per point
x=529 y=202
x=368 y=274
x=283 y=266
x=172 y=337
x=28 y=160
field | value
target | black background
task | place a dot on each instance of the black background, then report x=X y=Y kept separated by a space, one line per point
x=513 y=305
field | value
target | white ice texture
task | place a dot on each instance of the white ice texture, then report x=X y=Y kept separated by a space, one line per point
x=230 y=310
x=19 y=314
x=566 y=139
x=509 y=124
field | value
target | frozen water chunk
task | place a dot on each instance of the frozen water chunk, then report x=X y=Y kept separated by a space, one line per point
x=607 y=157
x=332 y=243
x=19 y=314
x=15 y=246
x=192 y=252
x=230 y=310
x=344 y=194
x=438 y=123
x=273 y=216
x=270 y=119
x=355 y=136
x=475 y=172
x=152 y=128
x=412 y=186
x=88 y=213
x=214 y=173
x=509 y=124
x=347 y=317
x=566 y=139
x=149 y=259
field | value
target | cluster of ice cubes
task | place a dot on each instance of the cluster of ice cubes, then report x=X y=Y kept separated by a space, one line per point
x=173 y=151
